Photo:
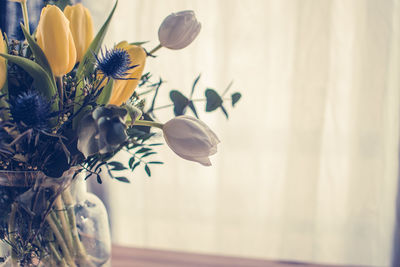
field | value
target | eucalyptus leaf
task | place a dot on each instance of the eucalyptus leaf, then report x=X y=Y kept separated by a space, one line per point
x=235 y=98
x=117 y=166
x=155 y=162
x=156 y=144
x=122 y=179
x=143 y=150
x=135 y=165
x=214 y=101
x=99 y=179
x=131 y=161
x=147 y=169
x=148 y=154
x=180 y=102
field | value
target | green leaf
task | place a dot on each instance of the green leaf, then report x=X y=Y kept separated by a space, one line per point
x=148 y=154
x=225 y=112
x=155 y=162
x=143 y=150
x=193 y=108
x=147 y=169
x=131 y=161
x=214 y=101
x=38 y=53
x=117 y=166
x=86 y=66
x=105 y=94
x=156 y=144
x=41 y=80
x=135 y=165
x=122 y=179
x=180 y=102
x=139 y=43
x=4 y=105
x=235 y=98
x=194 y=85
x=99 y=179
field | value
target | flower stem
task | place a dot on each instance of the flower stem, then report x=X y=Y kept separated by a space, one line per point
x=149 y=123
x=81 y=254
x=25 y=14
x=60 y=87
x=57 y=256
x=60 y=241
x=63 y=219
x=11 y=231
x=155 y=49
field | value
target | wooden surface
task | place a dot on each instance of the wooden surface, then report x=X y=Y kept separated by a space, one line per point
x=136 y=257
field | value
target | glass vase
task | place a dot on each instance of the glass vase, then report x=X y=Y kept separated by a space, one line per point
x=48 y=221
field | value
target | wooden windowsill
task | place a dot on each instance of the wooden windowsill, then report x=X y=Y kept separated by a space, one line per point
x=139 y=257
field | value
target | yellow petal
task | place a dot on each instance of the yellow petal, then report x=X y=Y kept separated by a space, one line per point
x=55 y=38
x=81 y=25
x=3 y=65
x=123 y=89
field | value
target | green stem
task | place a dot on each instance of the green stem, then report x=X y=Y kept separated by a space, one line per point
x=3 y=102
x=60 y=86
x=57 y=256
x=146 y=92
x=80 y=249
x=11 y=231
x=63 y=219
x=155 y=49
x=149 y=123
x=25 y=14
x=60 y=241
x=193 y=100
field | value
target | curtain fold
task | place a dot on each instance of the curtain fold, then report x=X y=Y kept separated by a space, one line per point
x=307 y=168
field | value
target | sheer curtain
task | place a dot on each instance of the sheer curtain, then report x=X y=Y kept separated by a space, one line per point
x=307 y=167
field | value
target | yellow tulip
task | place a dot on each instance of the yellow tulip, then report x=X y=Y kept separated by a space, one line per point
x=3 y=64
x=55 y=38
x=123 y=89
x=81 y=25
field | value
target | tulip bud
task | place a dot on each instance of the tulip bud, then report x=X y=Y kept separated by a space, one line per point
x=55 y=38
x=3 y=64
x=191 y=139
x=178 y=30
x=123 y=89
x=81 y=25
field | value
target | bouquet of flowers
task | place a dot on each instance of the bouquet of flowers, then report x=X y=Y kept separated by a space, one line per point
x=67 y=106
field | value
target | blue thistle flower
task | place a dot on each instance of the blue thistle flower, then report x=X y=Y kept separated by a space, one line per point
x=31 y=110
x=114 y=63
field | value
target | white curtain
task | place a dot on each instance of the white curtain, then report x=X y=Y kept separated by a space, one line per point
x=307 y=167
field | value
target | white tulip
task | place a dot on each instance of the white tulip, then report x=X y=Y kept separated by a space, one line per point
x=178 y=30
x=191 y=139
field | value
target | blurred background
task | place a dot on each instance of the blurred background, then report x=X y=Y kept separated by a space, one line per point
x=307 y=169
x=307 y=166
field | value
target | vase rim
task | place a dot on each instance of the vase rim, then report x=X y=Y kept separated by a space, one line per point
x=29 y=178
